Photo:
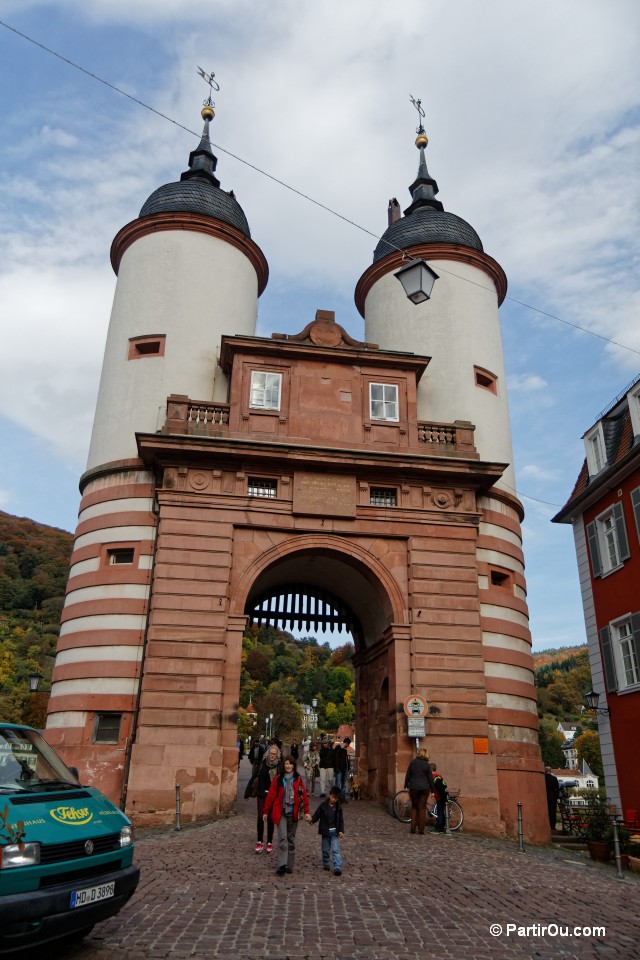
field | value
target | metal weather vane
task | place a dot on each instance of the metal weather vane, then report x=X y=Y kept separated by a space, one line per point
x=213 y=85
x=418 y=105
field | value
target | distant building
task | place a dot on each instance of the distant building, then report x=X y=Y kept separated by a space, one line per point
x=604 y=510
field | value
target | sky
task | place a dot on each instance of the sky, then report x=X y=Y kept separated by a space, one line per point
x=533 y=118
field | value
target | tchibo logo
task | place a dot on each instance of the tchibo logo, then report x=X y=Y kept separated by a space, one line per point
x=74 y=815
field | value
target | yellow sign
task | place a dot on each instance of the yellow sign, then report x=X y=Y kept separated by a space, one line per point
x=77 y=816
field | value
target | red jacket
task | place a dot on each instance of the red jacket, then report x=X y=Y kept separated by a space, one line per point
x=275 y=798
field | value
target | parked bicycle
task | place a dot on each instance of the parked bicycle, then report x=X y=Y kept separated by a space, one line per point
x=401 y=808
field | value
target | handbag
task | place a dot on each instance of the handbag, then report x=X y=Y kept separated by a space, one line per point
x=253 y=792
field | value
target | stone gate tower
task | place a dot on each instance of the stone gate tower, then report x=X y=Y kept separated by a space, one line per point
x=228 y=470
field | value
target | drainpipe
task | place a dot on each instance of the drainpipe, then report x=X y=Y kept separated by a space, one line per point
x=136 y=710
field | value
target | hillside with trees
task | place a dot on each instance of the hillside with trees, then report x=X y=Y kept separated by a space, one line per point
x=34 y=566
x=280 y=673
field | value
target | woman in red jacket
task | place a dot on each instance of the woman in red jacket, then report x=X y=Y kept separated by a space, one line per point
x=286 y=803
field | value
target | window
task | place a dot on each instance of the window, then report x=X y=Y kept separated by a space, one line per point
x=383 y=497
x=500 y=578
x=635 y=503
x=485 y=379
x=152 y=346
x=265 y=390
x=633 y=399
x=383 y=401
x=608 y=543
x=262 y=487
x=106 y=727
x=121 y=555
x=594 y=446
x=620 y=642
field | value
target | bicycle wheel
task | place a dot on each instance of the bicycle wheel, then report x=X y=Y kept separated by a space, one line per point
x=456 y=816
x=402 y=806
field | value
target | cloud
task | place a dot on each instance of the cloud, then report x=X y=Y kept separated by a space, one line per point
x=527 y=383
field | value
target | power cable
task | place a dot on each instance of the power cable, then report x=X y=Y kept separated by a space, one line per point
x=299 y=193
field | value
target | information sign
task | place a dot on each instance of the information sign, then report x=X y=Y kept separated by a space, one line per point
x=416 y=727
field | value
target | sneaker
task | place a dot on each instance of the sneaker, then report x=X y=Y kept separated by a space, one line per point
x=258 y=847
x=280 y=872
x=288 y=870
x=337 y=873
x=327 y=867
x=269 y=848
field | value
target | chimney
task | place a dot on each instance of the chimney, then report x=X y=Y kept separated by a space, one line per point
x=394 y=212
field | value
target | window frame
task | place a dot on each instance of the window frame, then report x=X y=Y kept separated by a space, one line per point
x=268 y=408
x=138 y=346
x=385 y=386
x=600 y=548
x=383 y=491
x=491 y=384
x=264 y=483
x=615 y=662
x=96 y=726
x=633 y=399
x=596 y=450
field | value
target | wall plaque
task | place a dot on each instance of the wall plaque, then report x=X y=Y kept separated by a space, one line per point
x=324 y=494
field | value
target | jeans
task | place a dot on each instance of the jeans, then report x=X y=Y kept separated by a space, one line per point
x=440 y=815
x=331 y=845
x=326 y=776
x=287 y=841
x=341 y=782
x=270 y=824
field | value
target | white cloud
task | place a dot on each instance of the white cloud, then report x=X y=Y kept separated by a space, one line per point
x=527 y=383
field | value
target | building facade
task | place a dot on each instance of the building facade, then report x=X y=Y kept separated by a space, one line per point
x=604 y=511
x=231 y=474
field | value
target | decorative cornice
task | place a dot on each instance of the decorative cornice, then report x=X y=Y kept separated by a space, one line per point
x=190 y=221
x=114 y=466
x=430 y=252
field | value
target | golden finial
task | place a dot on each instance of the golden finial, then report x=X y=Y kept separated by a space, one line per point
x=421 y=139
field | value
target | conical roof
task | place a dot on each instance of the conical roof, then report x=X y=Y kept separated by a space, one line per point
x=198 y=191
x=425 y=220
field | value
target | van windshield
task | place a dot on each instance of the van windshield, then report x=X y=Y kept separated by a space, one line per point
x=27 y=763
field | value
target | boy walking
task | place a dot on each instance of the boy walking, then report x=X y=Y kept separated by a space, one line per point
x=331 y=828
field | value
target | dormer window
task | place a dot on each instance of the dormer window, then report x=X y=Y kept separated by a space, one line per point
x=634 y=409
x=595 y=449
x=265 y=390
x=383 y=399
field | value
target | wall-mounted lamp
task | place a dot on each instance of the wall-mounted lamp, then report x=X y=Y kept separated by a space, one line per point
x=591 y=701
x=34 y=681
x=418 y=279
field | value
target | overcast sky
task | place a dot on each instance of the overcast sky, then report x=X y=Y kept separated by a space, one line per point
x=533 y=121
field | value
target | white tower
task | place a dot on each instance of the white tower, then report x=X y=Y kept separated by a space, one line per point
x=188 y=272
x=458 y=327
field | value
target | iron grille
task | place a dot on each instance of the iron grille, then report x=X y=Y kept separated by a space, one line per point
x=384 y=497
x=262 y=487
x=74 y=849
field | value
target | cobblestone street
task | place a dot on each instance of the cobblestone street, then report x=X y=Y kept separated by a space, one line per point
x=204 y=893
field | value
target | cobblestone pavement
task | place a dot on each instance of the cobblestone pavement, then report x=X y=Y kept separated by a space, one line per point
x=205 y=894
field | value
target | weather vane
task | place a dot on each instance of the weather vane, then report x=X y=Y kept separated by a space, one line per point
x=213 y=85
x=418 y=105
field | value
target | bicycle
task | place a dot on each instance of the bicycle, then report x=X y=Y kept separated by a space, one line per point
x=401 y=808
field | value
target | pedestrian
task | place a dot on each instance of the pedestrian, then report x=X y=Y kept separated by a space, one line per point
x=286 y=803
x=294 y=749
x=311 y=763
x=264 y=772
x=330 y=821
x=240 y=749
x=325 y=765
x=441 y=795
x=341 y=767
x=256 y=751
x=419 y=782
x=552 y=785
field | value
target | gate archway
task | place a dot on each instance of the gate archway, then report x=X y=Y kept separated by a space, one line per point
x=304 y=585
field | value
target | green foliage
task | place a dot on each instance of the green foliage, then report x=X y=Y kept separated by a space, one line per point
x=34 y=566
x=597 y=816
x=551 y=746
x=279 y=673
x=588 y=747
x=562 y=683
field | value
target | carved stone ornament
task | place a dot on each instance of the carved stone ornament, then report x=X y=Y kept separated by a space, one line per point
x=199 y=480
x=325 y=332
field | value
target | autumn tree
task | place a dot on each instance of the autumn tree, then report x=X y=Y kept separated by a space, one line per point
x=588 y=747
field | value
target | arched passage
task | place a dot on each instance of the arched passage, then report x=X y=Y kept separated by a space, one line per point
x=369 y=600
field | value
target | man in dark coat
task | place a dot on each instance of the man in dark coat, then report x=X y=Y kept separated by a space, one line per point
x=552 y=784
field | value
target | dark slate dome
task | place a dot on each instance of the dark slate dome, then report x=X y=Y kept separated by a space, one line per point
x=197 y=195
x=198 y=189
x=425 y=220
x=426 y=225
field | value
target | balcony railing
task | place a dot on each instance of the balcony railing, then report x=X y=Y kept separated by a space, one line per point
x=195 y=416
x=448 y=439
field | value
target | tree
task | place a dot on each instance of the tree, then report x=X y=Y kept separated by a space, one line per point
x=588 y=747
x=551 y=748
x=338 y=682
x=287 y=714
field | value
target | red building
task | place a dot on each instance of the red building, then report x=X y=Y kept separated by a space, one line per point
x=604 y=510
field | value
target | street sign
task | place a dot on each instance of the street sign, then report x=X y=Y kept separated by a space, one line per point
x=415 y=706
x=416 y=727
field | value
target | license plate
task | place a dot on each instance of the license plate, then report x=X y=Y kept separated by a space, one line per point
x=80 y=898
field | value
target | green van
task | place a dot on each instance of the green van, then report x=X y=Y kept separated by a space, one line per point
x=66 y=851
